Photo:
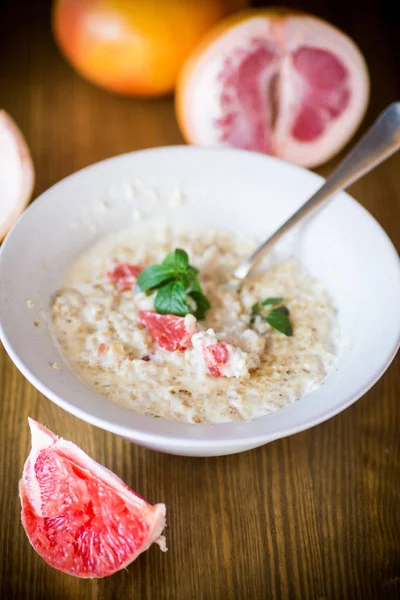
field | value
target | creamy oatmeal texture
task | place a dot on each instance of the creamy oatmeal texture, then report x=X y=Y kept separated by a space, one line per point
x=102 y=338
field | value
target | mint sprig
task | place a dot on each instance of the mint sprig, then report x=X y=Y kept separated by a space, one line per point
x=278 y=318
x=175 y=281
x=178 y=260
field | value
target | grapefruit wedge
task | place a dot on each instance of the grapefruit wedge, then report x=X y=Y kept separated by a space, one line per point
x=277 y=82
x=79 y=516
x=16 y=173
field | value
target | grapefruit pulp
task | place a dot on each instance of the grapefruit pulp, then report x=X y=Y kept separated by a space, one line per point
x=79 y=516
x=169 y=331
x=124 y=275
x=215 y=356
x=277 y=82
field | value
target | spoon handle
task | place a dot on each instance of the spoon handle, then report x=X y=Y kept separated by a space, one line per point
x=380 y=141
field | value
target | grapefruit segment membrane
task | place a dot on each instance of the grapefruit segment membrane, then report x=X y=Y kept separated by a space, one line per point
x=276 y=82
x=79 y=516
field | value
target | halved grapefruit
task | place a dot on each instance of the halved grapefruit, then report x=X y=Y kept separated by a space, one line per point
x=79 y=516
x=16 y=173
x=274 y=81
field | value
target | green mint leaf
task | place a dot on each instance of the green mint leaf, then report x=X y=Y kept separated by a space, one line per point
x=182 y=259
x=195 y=287
x=169 y=260
x=177 y=260
x=188 y=283
x=278 y=320
x=154 y=276
x=192 y=272
x=184 y=279
x=171 y=300
x=202 y=304
x=283 y=310
x=189 y=280
x=270 y=301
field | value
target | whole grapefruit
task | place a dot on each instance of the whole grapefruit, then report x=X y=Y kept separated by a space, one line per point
x=134 y=47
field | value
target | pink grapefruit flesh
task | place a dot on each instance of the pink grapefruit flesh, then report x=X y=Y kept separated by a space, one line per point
x=80 y=517
x=280 y=83
x=169 y=331
x=16 y=173
x=124 y=276
x=215 y=356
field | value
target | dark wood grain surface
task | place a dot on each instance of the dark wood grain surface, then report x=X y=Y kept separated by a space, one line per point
x=313 y=516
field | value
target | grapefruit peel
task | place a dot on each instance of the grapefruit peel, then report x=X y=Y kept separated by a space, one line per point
x=17 y=173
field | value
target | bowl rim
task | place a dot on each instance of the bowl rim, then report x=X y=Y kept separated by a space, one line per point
x=181 y=442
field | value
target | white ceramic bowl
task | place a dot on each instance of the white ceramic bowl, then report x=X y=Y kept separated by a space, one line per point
x=343 y=246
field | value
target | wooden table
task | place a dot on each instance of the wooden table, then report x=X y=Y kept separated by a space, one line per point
x=312 y=516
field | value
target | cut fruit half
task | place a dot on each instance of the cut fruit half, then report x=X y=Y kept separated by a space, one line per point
x=276 y=82
x=79 y=516
x=16 y=173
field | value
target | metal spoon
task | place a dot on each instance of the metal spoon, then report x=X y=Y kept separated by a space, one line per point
x=380 y=141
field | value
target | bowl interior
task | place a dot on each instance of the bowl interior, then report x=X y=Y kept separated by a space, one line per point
x=342 y=245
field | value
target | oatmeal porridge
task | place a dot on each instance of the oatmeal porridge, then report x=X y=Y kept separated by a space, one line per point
x=248 y=352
